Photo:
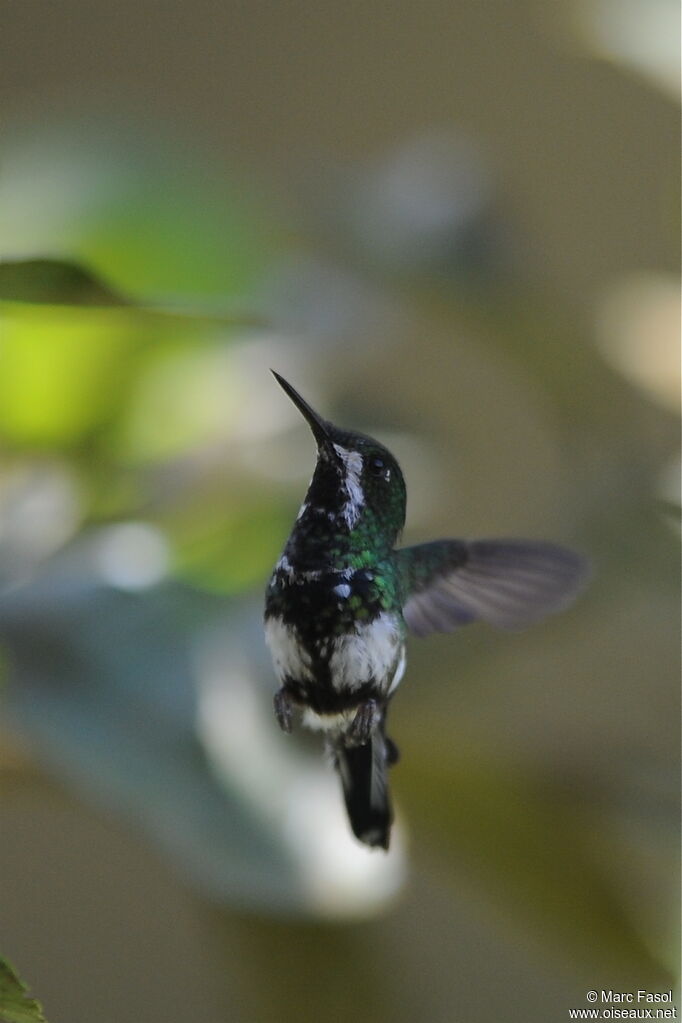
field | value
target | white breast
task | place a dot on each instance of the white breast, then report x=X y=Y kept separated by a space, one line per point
x=289 y=656
x=372 y=651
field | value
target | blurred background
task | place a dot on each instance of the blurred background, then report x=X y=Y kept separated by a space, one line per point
x=454 y=227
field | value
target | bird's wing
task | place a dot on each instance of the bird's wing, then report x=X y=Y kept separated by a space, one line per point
x=507 y=583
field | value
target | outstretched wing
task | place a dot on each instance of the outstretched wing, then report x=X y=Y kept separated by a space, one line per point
x=507 y=583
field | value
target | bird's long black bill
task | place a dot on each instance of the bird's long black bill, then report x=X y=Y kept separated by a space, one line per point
x=363 y=773
x=317 y=424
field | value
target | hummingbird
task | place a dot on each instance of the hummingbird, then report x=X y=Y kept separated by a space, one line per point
x=342 y=600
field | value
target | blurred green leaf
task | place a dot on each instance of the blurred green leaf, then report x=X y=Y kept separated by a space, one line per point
x=147 y=218
x=183 y=397
x=15 y=1005
x=166 y=235
x=65 y=282
x=54 y=281
x=67 y=371
x=233 y=548
x=62 y=371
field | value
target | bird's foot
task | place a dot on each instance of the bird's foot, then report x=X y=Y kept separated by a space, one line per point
x=284 y=707
x=366 y=718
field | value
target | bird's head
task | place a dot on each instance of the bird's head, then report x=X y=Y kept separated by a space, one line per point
x=357 y=481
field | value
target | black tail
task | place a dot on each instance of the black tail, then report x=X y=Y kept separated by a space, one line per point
x=363 y=773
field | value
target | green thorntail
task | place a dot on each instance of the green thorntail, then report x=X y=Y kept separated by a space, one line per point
x=342 y=599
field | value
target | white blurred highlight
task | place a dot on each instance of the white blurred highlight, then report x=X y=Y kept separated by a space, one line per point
x=299 y=796
x=40 y=509
x=259 y=413
x=418 y=199
x=638 y=333
x=643 y=34
x=132 y=556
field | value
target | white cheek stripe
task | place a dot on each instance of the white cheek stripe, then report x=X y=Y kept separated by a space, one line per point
x=352 y=463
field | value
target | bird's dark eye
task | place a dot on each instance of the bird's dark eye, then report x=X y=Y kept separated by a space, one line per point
x=378 y=468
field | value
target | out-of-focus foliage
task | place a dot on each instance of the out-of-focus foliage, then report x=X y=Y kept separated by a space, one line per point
x=149 y=474
x=124 y=428
x=16 y=1006
x=142 y=408
x=149 y=224
x=55 y=282
x=121 y=391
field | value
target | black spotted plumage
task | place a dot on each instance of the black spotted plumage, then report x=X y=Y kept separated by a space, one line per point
x=342 y=598
x=321 y=616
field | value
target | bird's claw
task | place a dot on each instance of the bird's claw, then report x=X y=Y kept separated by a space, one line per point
x=363 y=724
